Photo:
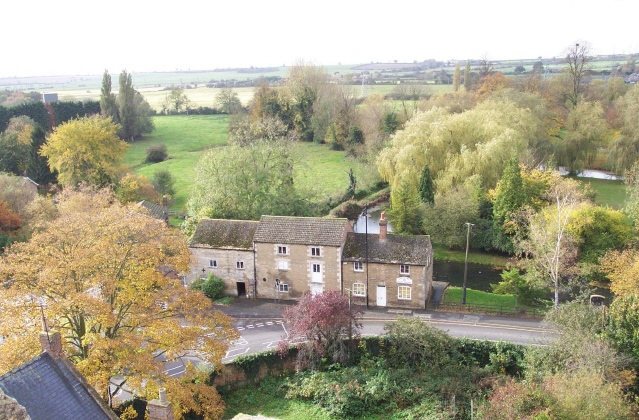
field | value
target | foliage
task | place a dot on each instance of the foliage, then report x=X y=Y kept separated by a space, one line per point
x=508 y=199
x=16 y=192
x=456 y=77
x=66 y=110
x=622 y=268
x=163 y=182
x=246 y=132
x=175 y=100
x=585 y=129
x=16 y=145
x=405 y=212
x=105 y=294
x=213 y=287
x=126 y=106
x=631 y=205
x=108 y=101
x=426 y=188
x=34 y=110
x=135 y=188
x=624 y=151
x=323 y=320
x=513 y=282
x=9 y=221
x=228 y=101
x=87 y=149
x=156 y=153
x=623 y=324
x=578 y=59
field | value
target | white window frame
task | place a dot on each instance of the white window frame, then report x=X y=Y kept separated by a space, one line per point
x=283 y=287
x=283 y=265
x=212 y=263
x=401 y=296
x=316 y=251
x=404 y=269
x=356 y=289
x=282 y=250
x=358 y=266
x=239 y=265
x=316 y=265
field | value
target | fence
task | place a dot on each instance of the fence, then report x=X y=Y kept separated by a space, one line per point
x=493 y=310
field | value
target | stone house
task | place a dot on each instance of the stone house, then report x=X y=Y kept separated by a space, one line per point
x=283 y=257
x=388 y=270
x=225 y=249
x=294 y=255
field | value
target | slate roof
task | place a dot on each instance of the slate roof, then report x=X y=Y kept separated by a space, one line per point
x=301 y=230
x=395 y=249
x=51 y=388
x=219 y=233
x=155 y=210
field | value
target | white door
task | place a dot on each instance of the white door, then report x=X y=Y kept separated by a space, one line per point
x=316 y=273
x=381 y=295
x=316 y=288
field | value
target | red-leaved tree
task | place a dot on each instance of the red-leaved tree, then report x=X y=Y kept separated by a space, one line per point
x=321 y=325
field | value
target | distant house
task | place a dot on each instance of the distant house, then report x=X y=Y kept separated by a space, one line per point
x=388 y=270
x=225 y=249
x=294 y=255
x=283 y=257
x=160 y=212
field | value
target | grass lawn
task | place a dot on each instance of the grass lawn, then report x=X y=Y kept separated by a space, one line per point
x=609 y=192
x=454 y=295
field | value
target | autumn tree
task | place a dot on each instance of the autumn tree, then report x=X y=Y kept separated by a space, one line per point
x=108 y=100
x=16 y=145
x=16 y=192
x=96 y=274
x=87 y=149
x=551 y=250
x=10 y=223
x=228 y=101
x=134 y=188
x=323 y=321
x=304 y=84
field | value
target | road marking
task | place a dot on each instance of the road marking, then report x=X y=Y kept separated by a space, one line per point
x=269 y=323
x=238 y=350
x=250 y=326
x=259 y=324
x=241 y=328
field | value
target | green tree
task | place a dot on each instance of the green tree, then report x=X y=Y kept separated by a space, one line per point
x=16 y=145
x=520 y=70
x=585 y=129
x=126 y=106
x=228 y=101
x=426 y=188
x=108 y=100
x=456 y=78
x=304 y=84
x=87 y=149
x=405 y=211
x=163 y=182
x=510 y=197
x=624 y=151
x=468 y=78
x=175 y=100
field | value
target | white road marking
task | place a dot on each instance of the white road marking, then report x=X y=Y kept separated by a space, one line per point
x=250 y=326
x=269 y=323
x=228 y=353
x=259 y=324
x=241 y=328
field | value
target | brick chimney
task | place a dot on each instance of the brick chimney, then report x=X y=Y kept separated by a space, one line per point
x=51 y=341
x=383 y=226
x=160 y=409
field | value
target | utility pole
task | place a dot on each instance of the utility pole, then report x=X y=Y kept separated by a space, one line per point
x=469 y=225
x=366 y=256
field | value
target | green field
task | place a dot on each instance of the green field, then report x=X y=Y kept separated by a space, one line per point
x=187 y=137
x=609 y=192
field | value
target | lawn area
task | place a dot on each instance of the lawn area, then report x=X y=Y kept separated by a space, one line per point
x=187 y=137
x=454 y=295
x=609 y=192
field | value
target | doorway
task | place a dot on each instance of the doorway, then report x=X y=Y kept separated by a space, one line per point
x=381 y=295
x=241 y=289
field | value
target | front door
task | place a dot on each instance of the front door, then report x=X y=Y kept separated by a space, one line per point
x=316 y=273
x=241 y=289
x=381 y=295
x=316 y=288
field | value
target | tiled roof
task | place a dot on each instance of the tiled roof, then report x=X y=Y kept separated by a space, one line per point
x=217 y=233
x=155 y=210
x=301 y=230
x=395 y=249
x=51 y=388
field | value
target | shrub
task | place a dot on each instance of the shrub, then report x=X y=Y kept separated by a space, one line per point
x=197 y=284
x=213 y=287
x=156 y=153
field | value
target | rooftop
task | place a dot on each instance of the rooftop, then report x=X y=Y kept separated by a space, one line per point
x=219 y=233
x=395 y=249
x=302 y=230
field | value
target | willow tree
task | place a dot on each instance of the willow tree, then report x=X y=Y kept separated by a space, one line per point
x=456 y=146
x=98 y=274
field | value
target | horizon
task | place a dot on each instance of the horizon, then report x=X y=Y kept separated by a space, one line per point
x=71 y=38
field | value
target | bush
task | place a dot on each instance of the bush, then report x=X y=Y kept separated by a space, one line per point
x=213 y=287
x=197 y=284
x=156 y=153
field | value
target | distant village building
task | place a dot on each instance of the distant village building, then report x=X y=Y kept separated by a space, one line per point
x=49 y=97
x=282 y=257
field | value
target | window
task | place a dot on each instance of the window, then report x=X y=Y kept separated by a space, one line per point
x=283 y=287
x=239 y=265
x=358 y=289
x=358 y=266
x=403 y=292
x=317 y=268
x=282 y=264
x=282 y=250
x=404 y=269
x=315 y=251
x=213 y=263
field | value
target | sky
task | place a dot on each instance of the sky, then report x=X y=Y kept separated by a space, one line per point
x=80 y=37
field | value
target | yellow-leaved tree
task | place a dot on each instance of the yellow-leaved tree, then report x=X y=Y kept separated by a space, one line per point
x=98 y=272
x=86 y=150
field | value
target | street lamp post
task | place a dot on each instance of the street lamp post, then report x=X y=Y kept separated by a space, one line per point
x=469 y=225
x=366 y=256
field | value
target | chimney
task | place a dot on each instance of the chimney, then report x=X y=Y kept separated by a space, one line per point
x=383 y=223
x=160 y=409
x=51 y=341
x=165 y=209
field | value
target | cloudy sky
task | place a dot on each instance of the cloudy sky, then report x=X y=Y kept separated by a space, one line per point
x=65 y=37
